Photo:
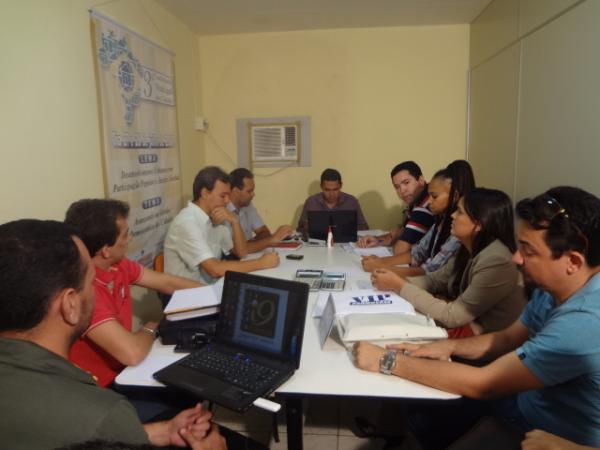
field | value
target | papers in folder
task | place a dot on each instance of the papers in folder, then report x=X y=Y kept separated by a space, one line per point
x=195 y=302
x=375 y=316
x=388 y=328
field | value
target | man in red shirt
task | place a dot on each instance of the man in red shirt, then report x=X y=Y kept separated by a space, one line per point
x=109 y=344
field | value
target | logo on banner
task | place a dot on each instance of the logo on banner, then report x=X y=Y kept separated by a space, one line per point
x=116 y=56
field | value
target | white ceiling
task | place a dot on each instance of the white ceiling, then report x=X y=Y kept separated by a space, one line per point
x=206 y=17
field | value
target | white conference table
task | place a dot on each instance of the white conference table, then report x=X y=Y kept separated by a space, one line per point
x=321 y=372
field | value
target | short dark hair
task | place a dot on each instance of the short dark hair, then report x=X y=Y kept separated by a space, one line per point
x=410 y=166
x=331 y=175
x=236 y=177
x=96 y=220
x=571 y=218
x=38 y=259
x=206 y=179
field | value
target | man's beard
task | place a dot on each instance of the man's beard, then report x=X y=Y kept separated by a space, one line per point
x=529 y=285
x=80 y=329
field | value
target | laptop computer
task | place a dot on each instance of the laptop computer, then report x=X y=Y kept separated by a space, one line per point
x=257 y=343
x=343 y=223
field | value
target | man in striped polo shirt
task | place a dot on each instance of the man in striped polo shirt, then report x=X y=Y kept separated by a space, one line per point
x=411 y=187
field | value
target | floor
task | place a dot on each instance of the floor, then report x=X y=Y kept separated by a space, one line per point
x=327 y=424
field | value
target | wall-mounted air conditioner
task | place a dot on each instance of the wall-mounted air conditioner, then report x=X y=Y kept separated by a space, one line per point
x=274 y=142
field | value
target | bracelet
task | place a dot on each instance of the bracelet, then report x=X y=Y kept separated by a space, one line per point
x=149 y=330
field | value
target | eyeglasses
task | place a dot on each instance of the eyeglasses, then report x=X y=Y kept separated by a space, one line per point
x=556 y=210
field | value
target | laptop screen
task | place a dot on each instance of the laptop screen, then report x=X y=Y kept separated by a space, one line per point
x=263 y=314
x=342 y=222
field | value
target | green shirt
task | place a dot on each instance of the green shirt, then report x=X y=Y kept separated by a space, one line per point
x=47 y=402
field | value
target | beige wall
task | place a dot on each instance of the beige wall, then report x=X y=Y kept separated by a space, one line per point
x=533 y=101
x=375 y=97
x=50 y=131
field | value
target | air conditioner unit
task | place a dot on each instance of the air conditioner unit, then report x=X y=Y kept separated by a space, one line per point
x=274 y=142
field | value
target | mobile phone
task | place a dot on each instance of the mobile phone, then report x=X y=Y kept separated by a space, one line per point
x=295 y=257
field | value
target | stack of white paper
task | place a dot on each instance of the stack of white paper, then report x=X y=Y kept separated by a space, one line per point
x=195 y=302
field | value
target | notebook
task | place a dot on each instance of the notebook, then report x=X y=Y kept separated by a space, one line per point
x=343 y=224
x=257 y=344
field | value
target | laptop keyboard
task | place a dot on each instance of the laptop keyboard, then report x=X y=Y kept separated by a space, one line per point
x=236 y=369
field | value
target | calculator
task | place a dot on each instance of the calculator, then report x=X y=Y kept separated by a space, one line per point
x=317 y=279
x=310 y=277
x=333 y=281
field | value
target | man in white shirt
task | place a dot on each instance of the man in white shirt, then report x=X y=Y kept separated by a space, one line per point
x=257 y=234
x=205 y=231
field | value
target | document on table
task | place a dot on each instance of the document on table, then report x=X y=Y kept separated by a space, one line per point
x=382 y=252
x=362 y=233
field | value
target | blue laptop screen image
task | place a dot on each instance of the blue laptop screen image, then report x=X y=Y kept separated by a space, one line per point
x=263 y=318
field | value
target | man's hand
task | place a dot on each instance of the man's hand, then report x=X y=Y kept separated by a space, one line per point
x=195 y=420
x=222 y=214
x=367 y=356
x=386 y=280
x=212 y=441
x=441 y=350
x=541 y=440
x=370 y=263
x=281 y=233
x=269 y=260
x=368 y=241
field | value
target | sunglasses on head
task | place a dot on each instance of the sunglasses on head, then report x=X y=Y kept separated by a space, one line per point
x=554 y=211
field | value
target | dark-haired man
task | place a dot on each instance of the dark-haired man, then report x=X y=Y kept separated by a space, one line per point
x=205 y=232
x=411 y=188
x=549 y=357
x=331 y=198
x=46 y=302
x=258 y=235
x=109 y=344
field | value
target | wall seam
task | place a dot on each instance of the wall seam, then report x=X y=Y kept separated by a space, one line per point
x=529 y=33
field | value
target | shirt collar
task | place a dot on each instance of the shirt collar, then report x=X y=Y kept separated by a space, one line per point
x=29 y=355
x=593 y=284
x=421 y=196
x=231 y=207
x=199 y=213
x=106 y=276
x=341 y=199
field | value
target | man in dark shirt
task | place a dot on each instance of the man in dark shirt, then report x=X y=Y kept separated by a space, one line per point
x=46 y=302
x=411 y=187
x=331 y=198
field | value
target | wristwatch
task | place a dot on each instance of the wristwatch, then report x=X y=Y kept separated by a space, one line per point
x=387 y=362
